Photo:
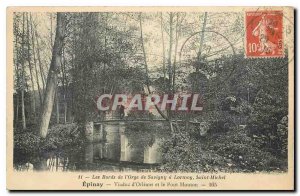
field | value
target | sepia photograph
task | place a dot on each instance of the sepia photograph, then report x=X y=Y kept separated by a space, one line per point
x=196 y=93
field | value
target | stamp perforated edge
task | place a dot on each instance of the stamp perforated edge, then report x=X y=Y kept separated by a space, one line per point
x=245 y=37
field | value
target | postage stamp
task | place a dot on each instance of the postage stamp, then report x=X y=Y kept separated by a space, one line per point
x=264 y=31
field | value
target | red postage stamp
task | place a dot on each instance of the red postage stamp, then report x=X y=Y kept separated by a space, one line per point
x=264 y=32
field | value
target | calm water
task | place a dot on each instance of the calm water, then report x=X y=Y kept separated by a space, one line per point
x=110 y=148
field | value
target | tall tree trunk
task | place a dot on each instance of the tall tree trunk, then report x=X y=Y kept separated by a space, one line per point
x=64 y=84
x=170 y=51
x=52 y=76
x=35 y=62
x=199 y=55
x=51 y=31
x=30 y=67
x=175 y=52
x=65 y=110
x=202 y=36
x=40 y=61
x=57 y=105
x=16 y=51
x=170 y=75
x=163 y=44
x=23 y=76
x=57 y=92
x=105 y=50
x=17 y=110
x=146 y=67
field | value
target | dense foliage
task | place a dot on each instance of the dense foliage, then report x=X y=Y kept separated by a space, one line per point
x=243 y=126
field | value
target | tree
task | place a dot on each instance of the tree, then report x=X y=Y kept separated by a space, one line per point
x=163 y=46
x=16 y=65
x=35 y=60
x=23 y=74
x=52 y=75
x=170 y=52
x=30 y=66
x=146 y=65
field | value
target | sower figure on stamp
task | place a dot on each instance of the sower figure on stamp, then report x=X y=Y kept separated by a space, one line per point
x=266 y=46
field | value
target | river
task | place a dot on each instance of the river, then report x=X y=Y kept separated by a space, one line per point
x=108 y=148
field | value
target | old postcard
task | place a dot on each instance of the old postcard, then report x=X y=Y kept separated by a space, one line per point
x=150 y=98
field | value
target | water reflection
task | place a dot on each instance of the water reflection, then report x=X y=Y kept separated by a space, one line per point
x=115 y=146
x=108 y=149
